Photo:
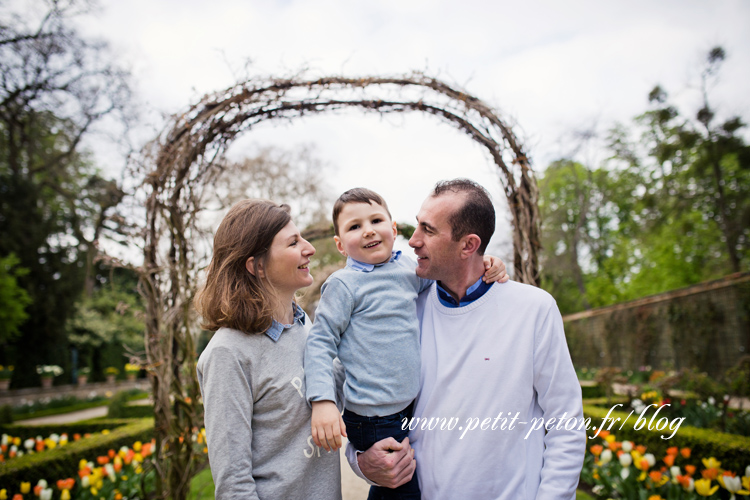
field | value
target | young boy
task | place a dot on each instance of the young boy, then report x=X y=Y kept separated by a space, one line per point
x=367 y=317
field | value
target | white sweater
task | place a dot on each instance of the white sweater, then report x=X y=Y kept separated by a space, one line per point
x=504 y=355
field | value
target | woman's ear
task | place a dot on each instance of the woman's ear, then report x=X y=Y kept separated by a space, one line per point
x=250 y=265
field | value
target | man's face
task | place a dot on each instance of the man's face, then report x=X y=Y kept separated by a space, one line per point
x=432 y=241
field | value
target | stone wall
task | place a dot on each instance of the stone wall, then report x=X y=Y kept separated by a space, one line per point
x=705 y=326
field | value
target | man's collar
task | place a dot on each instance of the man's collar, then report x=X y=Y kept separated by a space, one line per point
x=277 y=328
x=366 y=268
x=472 y=293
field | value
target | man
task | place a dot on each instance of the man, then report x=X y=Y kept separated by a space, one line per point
x=499 y=411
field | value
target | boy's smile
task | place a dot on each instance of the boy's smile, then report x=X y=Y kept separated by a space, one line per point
x=366 y=233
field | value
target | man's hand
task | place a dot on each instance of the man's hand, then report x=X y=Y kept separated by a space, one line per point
x=327 y=425
x=388 y=462
x=494 y=270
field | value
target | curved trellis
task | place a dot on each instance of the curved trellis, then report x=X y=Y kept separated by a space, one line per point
x=182 y=161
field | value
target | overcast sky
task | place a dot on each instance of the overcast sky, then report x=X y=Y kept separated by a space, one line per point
x=552 y=66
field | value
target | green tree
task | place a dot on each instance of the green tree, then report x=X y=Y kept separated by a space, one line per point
x=670 y=207
x=13 y=298
x=54 y=205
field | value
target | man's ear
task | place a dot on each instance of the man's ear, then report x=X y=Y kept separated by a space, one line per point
x=395 y=230
x=251 y=264
x=340 y=246
x=470 y=245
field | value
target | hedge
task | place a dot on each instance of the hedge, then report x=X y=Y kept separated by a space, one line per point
x=733 y=451
x=62 y=462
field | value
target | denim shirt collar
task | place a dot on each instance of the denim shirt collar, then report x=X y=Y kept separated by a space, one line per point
x=474 y=292
x=277 y=328
x=366 y=268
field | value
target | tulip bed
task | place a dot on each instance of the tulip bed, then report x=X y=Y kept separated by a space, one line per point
x=115 y=475
x=62 y=461
x=15 y=447
x=623 y=469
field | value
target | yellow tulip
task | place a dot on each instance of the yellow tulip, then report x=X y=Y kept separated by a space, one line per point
x=703 y=487
x=711 y=463
x=3 y=494
x=25 y=487
x=65 y=495
x=137 y=446
x=82 y=464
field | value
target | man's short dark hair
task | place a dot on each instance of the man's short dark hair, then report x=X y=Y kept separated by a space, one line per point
x=476 y=216
x=356 y=195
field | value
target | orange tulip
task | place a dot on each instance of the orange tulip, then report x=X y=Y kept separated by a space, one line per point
x=17 y=496
x=673 y=451
x=690 y=469
x=596 y=450
x=76 y=437
x=603 y=434
x=102 y=460
x=711 y=473
x=655 y=476
x=685 y=452
x=640 y=449
x=669 y=460
x=111 y=453
x=38 y=490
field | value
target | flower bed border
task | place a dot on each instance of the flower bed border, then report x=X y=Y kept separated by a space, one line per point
x=731 y=450
x=62 y=462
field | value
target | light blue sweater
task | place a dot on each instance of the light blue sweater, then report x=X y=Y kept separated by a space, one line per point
x=368 y=320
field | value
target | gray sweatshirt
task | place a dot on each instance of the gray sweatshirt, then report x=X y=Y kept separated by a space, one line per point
x=258 y=421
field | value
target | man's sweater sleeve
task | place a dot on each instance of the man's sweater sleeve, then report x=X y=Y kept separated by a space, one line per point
x=228 y=413
x=559 y=393
x=331 y=320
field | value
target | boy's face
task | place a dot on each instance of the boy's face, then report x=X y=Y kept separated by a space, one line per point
x=366 y=233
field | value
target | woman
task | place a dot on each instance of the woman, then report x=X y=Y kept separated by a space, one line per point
x=256 y=416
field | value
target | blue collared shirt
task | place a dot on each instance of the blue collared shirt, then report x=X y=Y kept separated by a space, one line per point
x=366 y=268
x=474 y=292
x=277 y=328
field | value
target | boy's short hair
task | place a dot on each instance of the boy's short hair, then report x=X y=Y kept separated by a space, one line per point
x=475 y=216
x=356 y=195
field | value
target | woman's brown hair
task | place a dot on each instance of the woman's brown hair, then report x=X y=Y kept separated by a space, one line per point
x=232 y=297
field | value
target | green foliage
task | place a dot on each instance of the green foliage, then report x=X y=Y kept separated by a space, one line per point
x=670 y=208
x=732 y=450
x=6 y=414
x=13 y=298
x=54 y=204
x=62 y=461
x=117 y=405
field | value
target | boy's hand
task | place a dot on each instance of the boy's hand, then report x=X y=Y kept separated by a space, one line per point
x=327 y=425
x=494 y=270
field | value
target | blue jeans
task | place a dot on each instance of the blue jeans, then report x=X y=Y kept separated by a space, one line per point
x=363 y=432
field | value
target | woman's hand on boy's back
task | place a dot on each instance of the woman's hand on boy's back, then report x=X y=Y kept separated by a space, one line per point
x=494 y=270
x=327 y=425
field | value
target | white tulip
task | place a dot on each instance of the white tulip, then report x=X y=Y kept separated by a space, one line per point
x=46 y=494
x=732 y=484
x=29 y=444
x=674 y=471
x=4 y=440
x=624 y=473
x=85 y=482
x=626 y=460
x=42 y=483
x=606 y=457
x=627 y=446
x=110 y=472
x=651 y=459
x=691 y=485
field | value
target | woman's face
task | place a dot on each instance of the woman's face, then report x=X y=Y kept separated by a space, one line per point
x=286 y=266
